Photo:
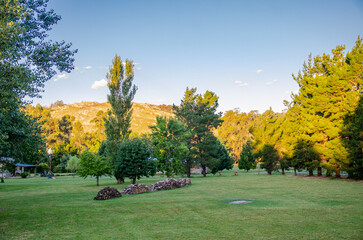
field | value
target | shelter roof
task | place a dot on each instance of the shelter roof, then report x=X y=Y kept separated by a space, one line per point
x=25 y=165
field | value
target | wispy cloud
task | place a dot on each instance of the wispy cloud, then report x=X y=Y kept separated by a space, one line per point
x=139 y=68
x=87 y=67
x=76 y=68
x=135 y=63
x=258 y=71
x=241 y=84
x=60 y=76
x=271 y=82
x=99 y=84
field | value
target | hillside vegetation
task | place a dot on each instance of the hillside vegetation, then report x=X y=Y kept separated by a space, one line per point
x=144 y=114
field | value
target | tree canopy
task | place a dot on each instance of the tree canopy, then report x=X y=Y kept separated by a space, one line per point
x=169 y=140
x=93 y=165
x=134 y=160
x=27 y=60
x=198 y=113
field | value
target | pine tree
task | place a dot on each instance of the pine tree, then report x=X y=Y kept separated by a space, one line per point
x=269 y=158
x=198 y=112
x=247 y=160
x=330 y=87
x=352 y=134
x=225 y=161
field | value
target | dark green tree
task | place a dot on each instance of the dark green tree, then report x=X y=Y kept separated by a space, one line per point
x=118 y=121
x=198 y=112
x=305 y=156
x=352 y=134
x=93 y=165
x=225 y=160
x=269 y=158
x=27 y=60
x=169 y=140
x=134 y=160
x=246 y=160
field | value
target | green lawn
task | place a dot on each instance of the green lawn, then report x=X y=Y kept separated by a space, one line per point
x=284 y=207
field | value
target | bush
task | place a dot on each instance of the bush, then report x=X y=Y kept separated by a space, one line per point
x=43 y=167
x=24 y=174
x=57 y=169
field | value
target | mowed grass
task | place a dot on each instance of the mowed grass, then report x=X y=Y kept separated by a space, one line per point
x=284 y=207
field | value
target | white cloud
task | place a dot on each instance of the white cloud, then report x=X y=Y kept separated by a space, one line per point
x=271 y=82
x=240 y=83
x=60 y=76
x=135 y=63
x=139 y=68
x=258 y=71
x=87 y=67
x=99 y=84
x=76 y=68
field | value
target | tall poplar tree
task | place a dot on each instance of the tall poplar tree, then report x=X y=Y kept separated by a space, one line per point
x=118 y=121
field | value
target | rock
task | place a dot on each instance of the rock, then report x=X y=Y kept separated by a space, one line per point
x=136 y=188
x=170 y=184
x=107 y=193
x=184 y=182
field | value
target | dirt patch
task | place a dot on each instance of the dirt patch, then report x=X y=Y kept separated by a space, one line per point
x=240 y=202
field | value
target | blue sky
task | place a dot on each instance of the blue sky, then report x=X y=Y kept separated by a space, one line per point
x=244 y=51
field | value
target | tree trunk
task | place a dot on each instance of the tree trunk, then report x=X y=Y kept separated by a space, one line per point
x=269 y=172
x=311 y=173
x=119 y=180
x=204 y=171
x=337 y=172
x=133 y=180
x=328 y=173
x=247 y=170
x=98 y=184
x=319 y=171
x=188 y=171
x=283 y=171
x=295 y=171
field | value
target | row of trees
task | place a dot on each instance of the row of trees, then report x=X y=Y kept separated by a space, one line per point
x=322 y=127
x=174 y=145
x=66 y=136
